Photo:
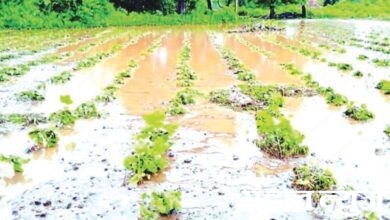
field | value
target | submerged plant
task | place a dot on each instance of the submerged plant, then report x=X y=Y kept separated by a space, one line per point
x=17 y=162
x=151 y=145
x=62 y=118
x=86 y=110
x=61 y=78
x=108 y=94
x=279 y=139
x=30 y=95
x=381 y=63
x=160 y=204
x=387 y=131
x=362 y=57
x=313 y=178
x=44 y=137
x=384 y=86
x=359 y=113
x=358 y=74
x=333 y=98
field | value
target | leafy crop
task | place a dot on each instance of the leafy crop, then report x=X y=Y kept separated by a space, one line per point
x=44 y=137
x=61 y=78
x=30 y=95
x=151 y=145
x=358 y=74
x=333 y=98
x=279 y=140
x=312 y=178
x=381 y=63
x=62 y=118
x=384 y=86
x=17 y=162
x=160 y=204
x=23 y=119
x=86 y=111
x=362 y=57
x=359 y=113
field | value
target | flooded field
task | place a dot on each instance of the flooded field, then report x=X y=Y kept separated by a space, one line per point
x=91 y=87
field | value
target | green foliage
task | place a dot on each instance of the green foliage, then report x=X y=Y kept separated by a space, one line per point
x=61 y=78
x=220 y=96
x=292 y=69
x=362 y=57
x=384 y=86
x=358 y=113
x=16 y=161
x=332 y=97
x=44 y=137
x=354 y=9
x=86 y=111
x=358 y=74
x=7 y=72
x=269 y=95
x=160 y=204
x=23 y=119
x=279 y=140
x=62 y=118
x=151 y=145
x=246 y=76
x=370 y=215
x=66 y=99
x=92 y=61
x=108 y=94
x=381 y=62
x=313 y=178
x=30 y=95
x=183 y=97
x=344 y=67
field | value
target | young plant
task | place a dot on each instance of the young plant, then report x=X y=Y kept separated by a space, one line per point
x=108 y=94
x=30 y=95
x=344 y=67
x=384 y=86
x=358 y=74
x=44 y=137
x=220 y=96
x=61 y=78
x=333 y=98
x=86 y=111
x=152 y=143
x=62 y=118
x=362 y=57
x=313 y=178
x=160 y=204
x=381 y=63
x=17 y=162
x=358 y=113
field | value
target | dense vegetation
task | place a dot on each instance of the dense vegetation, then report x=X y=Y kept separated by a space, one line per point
x=88 y=13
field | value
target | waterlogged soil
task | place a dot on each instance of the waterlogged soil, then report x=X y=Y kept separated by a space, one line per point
x=214 y=161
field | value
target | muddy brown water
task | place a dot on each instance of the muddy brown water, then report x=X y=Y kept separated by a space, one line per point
x=156 y=75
